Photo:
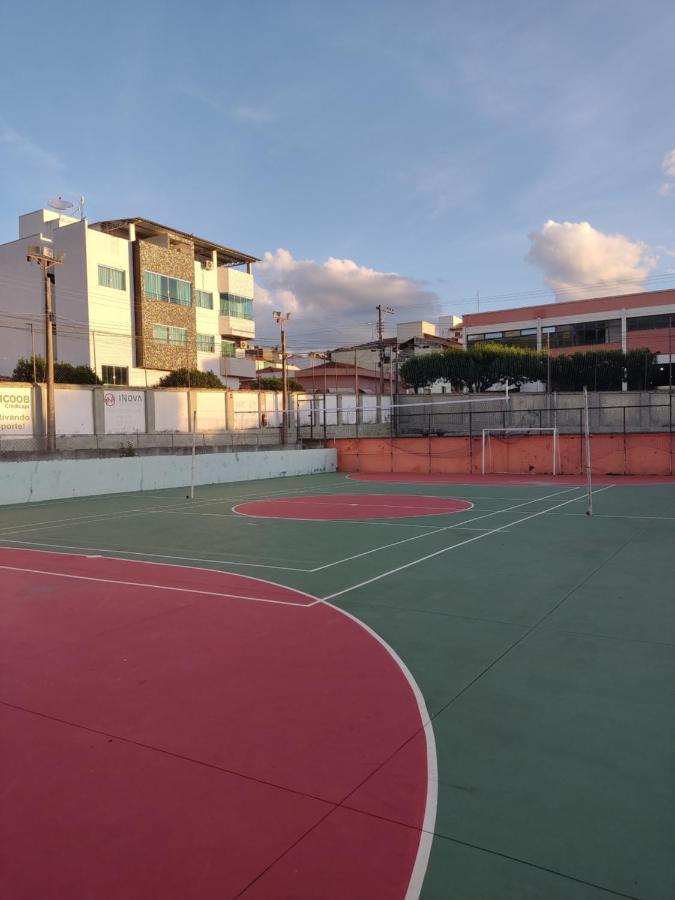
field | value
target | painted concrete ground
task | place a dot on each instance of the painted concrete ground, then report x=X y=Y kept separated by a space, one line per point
x=542 y=641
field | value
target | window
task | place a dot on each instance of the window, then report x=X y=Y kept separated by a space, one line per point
x=579 y=334
x=232 y=305
x=524 y=337
x=172 y=290
x=112 y=278
x=204 y=299
x=168 y=334
x=115 y=374
x=647 y=323
x=206 y=343
x=228 y=348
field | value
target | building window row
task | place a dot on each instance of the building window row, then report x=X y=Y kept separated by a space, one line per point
x=112 y=278
x=239 y=307
x=579 y=334
x=206 y=343
x=170 y=334
x=171 y=290
x=517 y=337
x=115 y=374
x=228 y=348
x=647 y=323
x=204 y=299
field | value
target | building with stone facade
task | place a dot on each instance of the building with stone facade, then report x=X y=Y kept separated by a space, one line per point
x=133 y=299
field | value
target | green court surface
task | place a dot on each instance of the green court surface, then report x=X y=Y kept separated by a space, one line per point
x=542 y=640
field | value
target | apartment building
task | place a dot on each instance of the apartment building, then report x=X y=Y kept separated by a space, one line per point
x=623 y=322
x=133 y=299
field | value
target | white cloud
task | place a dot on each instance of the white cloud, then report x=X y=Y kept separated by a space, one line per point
x=668 y=165
x=579 y=261
x=332 y=301
x=27 y=149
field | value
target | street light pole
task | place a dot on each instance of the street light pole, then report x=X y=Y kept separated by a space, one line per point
x=380 y=335
x=47 y=259
x=281 y=320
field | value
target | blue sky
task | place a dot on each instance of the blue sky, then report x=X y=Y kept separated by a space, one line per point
x=425 y=139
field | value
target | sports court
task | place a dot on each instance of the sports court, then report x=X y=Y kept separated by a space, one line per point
x=333 y=686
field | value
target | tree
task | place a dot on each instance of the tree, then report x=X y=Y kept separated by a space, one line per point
x=272 y=383
x=64 y=373
x=191 y=378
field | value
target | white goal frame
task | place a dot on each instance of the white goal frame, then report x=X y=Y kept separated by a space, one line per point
x=487 y=432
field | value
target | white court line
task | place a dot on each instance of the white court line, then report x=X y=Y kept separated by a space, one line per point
x=428 y=822
x=26 y=527
x=478 y=537
x=231 y=562
x=608 y=516
x=224 y=562
x=161 y=587
x=459 y=524
x=431 y=802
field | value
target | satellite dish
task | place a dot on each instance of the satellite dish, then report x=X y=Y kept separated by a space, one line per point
x=60 y=204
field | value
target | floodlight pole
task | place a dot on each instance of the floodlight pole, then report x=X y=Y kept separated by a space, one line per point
x=46 y=259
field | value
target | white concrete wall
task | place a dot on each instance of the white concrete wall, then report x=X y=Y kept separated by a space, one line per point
x=171 y=410
x=111 y=311
x=25 y=482
x=74 y=411
x=210 y=407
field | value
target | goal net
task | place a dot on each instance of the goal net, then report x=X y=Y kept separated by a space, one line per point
x=520 y=451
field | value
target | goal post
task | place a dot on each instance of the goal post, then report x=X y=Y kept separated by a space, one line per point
x=507 y=434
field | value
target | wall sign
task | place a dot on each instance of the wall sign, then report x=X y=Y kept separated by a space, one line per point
x=124 y=411
x=16 y=418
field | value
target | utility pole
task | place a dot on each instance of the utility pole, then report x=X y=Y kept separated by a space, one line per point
x=382 y=310
x=281 y=320
x=46 y=258
x=32 y=351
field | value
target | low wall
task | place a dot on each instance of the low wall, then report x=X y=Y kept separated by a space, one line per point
x=23 y=482
x=612 y=454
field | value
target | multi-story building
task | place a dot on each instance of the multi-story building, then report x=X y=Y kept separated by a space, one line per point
x=133 y=299
x=621 y=322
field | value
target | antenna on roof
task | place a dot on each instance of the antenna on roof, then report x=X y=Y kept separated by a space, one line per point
x=60 y=204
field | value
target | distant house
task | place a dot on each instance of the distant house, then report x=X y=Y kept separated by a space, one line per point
x=328 y=378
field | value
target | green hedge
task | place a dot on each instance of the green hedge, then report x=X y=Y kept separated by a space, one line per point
x=480 y=367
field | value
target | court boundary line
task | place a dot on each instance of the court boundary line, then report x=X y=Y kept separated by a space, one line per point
x=431 y=531
x=478 y=537
x=163 y=587
x=461 y=523
x=425 y=830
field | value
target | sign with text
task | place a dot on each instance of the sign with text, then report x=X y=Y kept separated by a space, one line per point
x=124 y=411
x=16 y=418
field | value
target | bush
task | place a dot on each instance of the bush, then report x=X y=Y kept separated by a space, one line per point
x=64 y=373
x=191 y=378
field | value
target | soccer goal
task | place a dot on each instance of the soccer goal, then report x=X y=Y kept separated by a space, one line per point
x=499 y=443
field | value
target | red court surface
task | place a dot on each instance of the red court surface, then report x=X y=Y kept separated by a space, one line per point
x=173 y=732
x=425 y=478
x=352 y=507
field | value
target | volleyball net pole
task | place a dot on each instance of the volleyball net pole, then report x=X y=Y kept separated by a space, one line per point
x=587 y=438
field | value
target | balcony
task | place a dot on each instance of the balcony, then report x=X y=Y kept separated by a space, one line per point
x=237 y=367
x=236 y=326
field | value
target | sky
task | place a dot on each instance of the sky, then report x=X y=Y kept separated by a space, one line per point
x=429 y=156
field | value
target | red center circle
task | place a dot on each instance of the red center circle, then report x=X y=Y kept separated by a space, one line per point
x=352 y=507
